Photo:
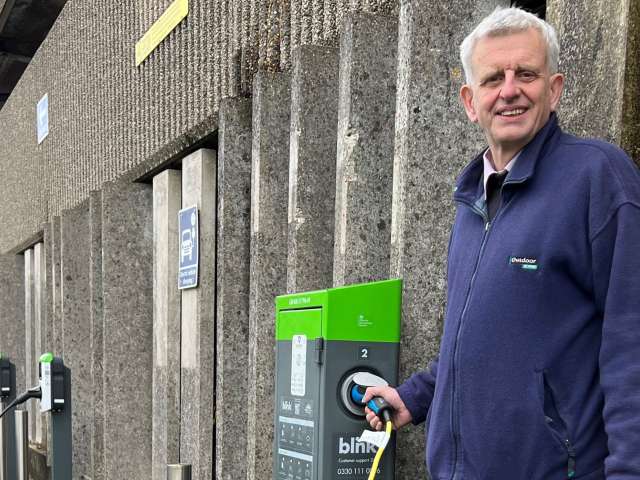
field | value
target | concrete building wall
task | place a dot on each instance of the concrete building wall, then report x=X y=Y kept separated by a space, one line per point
x=108 y=117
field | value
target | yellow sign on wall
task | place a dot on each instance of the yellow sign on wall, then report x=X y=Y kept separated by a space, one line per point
x=169 y=20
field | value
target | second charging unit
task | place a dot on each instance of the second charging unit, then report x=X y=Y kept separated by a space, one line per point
x=324 y=340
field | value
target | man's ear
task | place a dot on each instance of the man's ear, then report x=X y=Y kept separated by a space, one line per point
x=556 y=85
x=466 y=96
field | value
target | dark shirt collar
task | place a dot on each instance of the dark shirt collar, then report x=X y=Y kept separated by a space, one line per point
x=469 y=185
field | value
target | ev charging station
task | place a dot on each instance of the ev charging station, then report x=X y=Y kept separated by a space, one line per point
x=54 y=392
x=7 y=424
x=55 y=385
x=330 y=344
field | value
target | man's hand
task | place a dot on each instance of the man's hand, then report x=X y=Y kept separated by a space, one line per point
x=401 y=416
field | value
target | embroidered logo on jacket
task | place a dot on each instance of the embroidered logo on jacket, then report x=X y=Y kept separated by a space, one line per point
x=526 y=263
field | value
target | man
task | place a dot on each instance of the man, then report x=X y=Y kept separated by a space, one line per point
x=538 y=375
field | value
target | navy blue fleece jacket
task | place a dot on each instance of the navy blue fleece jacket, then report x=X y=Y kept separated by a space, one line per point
x=538 y=375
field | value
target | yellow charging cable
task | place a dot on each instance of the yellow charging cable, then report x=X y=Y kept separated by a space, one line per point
x=376 y=460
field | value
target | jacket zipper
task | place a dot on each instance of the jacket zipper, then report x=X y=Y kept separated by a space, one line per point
x=454 y=423
x=559 y=426
x=571 y=462
x=571 y=453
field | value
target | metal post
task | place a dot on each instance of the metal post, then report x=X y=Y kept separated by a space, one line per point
x=4 y=442
x=7 y=444
x=179 y=471
x=61 y=445
x=22 y=444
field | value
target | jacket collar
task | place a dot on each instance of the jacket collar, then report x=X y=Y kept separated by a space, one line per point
x=469 y=184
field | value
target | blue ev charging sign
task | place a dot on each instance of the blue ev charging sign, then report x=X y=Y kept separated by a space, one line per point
x=189 y=248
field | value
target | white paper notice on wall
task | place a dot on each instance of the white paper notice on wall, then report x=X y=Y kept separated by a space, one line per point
x=42 y=120
x=298 y=365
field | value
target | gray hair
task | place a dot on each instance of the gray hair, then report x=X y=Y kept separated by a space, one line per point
x=504 y=21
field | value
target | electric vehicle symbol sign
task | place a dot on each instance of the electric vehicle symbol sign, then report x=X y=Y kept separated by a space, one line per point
x=189 y=248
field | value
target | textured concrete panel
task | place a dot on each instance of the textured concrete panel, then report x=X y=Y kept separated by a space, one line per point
x=97 y=341
x=429 y=118
x=268 y=275
x=630 y=138
x=31 y=370
x=52 y=255
x=312 y=168
x=56 y=287
x=40 y=325
x=76 y=329
x=127 y=273
x=232 y=290
x=12 y=343
x=366 y=110
x=166 y=322
x=198 y=321
x=597 y=54
x=108 y=116
x=48 y=308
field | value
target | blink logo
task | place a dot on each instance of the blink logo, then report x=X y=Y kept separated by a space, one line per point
x=351 y=446
x=525 y=263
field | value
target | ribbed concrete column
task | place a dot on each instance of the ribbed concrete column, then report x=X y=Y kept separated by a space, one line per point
x=12 y=340
x=31 y=371
x=366 y=110
x=76 y=329
x=52 y=255
x=198 y=322
x=127 y=283
x=97 y=340
x=232 y=291
x=166 y=322
x=40 y=325
x=312 y=168
x=56 y=288
x=268 y=274
x=433 y=141
x=48 y=310
x=603 y=39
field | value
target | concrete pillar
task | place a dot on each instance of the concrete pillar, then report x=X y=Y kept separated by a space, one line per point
x=166 y=322
x=366 y=110
x=51 y=258
x=599 y=44
x=127 y=273
x=31 y=371
x=40 y=325
x=232 y=291
x=433 y=141
x=97 y=340
x=197 y=356
x=76 y=329
x=312 y=168
x=268 y=274
x=48 y=249
x=12 y=303
x=56 y=288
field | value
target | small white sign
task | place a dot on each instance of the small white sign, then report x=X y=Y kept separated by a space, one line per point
x=379 y=439
x=45 y=387
x=298 y=365
x=42 y=120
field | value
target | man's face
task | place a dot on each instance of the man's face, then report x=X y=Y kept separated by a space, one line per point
x=513 y=93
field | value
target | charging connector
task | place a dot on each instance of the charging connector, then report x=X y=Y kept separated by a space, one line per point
x=33 y=392
x=377 y=405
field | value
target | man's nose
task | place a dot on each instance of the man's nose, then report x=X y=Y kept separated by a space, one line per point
x=510 y=87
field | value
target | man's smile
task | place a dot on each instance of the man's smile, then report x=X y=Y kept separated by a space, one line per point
x=512 y=111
